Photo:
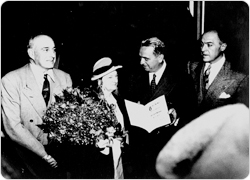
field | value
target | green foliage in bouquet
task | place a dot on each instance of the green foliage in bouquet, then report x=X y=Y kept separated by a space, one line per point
x=79 y=118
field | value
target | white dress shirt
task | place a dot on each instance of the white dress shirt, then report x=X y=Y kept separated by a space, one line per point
x=215 y=68
x=157 y=73
x=39 y=74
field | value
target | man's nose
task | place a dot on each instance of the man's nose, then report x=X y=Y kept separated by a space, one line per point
x=203 y=47
x=52 y=53
x=142 y=61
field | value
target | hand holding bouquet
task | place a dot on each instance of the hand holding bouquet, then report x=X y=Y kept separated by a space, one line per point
x=80 y=118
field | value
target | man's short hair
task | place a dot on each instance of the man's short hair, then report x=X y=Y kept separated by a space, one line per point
x=221 y=34
x=30 y=44
x=33 y=37
x=156 y=43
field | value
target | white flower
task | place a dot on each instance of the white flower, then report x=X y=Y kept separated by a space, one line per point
x=110 y=131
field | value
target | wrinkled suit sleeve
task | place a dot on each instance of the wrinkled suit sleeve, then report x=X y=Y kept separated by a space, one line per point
x=10 y=107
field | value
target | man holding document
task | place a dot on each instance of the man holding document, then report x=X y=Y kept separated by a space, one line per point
x=150 y=116
x=160 y=101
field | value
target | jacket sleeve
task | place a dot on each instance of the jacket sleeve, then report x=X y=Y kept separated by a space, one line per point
x=68 y=81
x=243 y=91
x=11 y=116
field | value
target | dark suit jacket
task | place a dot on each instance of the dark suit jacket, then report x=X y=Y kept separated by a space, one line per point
x=177 y=88
x=228 y=87
x=180 y=94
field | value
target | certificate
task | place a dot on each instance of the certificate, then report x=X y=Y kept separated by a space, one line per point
x=149 y=116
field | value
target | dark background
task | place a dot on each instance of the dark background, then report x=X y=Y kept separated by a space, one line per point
x=87 y=31
x=233 y=18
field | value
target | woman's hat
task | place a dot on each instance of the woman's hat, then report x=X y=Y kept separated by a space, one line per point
x=103 y=67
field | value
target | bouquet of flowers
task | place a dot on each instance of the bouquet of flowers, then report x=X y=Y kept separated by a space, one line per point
x=79 y=118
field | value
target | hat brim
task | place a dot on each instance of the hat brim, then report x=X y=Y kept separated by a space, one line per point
x=95 y=77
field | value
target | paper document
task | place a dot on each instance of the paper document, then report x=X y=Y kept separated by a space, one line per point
x=149 y=116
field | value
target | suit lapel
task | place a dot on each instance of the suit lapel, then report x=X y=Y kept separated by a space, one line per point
x=55 y=87
x=198 y=79
x=221 y=82
x=32 y=92
x=164 y=86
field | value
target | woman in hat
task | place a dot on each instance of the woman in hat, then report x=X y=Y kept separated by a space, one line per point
x=111 y=161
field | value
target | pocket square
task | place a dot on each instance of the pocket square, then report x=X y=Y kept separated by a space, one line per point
x=224 y=95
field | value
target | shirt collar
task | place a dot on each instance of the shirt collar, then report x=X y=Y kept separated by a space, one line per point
x=217 y=63
x=160 y=71
x=39 y=72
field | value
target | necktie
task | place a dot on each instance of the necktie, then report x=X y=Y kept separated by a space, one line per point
x=153 y=84
x=206 y=76
x=46 y=89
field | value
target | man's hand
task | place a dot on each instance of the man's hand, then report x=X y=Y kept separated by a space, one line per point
x=173 y=117
x=49 y=159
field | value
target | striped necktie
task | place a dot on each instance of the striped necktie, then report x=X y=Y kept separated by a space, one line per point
x=46 y=89
x=206 y=76
x=153 y=84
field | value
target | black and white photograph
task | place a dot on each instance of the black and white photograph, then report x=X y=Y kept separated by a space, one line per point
x=124 y=89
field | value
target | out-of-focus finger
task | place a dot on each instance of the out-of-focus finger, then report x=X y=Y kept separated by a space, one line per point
x=53 y=164
x=51 y=160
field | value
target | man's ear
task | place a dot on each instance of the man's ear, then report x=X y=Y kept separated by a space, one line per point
x=223 y=46
x=160 y=58
x=31 y=53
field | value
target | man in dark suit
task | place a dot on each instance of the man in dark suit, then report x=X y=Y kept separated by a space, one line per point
x=26 y=94
x=159 y=79
x=216 y=83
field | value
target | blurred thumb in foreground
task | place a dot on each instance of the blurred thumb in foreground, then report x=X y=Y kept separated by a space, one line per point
x=213 y=146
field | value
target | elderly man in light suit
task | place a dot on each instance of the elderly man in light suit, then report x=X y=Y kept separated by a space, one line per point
x=23 y=104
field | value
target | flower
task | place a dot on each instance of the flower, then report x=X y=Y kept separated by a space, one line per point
x=80 y=118
x=110 y=131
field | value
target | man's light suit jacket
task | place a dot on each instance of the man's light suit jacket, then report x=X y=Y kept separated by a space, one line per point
x=228 y=87
x=23 y=106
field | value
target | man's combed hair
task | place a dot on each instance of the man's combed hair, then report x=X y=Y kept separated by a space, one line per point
x=32 y=37
x=156 y=43
x=222 y=34
x=30 y=44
